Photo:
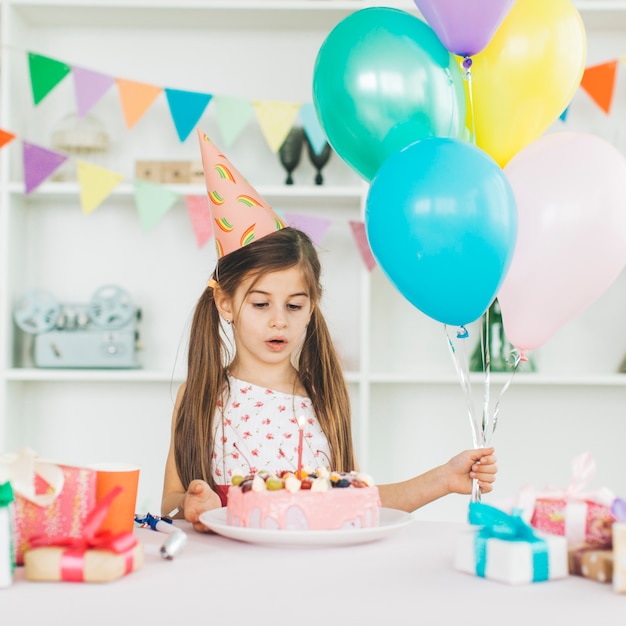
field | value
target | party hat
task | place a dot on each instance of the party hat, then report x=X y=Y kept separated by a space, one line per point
x=240 y=214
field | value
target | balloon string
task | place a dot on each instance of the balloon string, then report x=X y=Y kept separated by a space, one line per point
x=466 y=65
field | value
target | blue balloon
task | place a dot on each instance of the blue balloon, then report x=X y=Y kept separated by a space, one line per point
x=441 y=221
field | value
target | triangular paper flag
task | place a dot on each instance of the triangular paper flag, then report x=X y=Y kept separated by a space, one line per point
x=200 y=218
x=232 y=115
x=186 y=108
x=623 y=59
x=39 y=164
x=360 y=237
x=89 y=87
x=599 y=82
x=45 y=75
x=275 y=119
x=135 y=99
x=315 y=227
x=153 y=202
x=312 y=128
x=563 y=116
x=96 y=184
x=5 y=138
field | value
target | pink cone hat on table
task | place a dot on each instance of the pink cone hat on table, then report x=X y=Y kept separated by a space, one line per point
x=239 y=213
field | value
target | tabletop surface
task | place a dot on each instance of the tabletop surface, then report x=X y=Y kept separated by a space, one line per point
x=406 y=577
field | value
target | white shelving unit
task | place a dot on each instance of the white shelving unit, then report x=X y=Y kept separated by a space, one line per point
x=409 y=412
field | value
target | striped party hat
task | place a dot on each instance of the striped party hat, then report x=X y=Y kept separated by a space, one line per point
x=240 y=215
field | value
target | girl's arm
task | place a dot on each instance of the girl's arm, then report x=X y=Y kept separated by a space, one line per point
x=190 y=502
x=456 y=476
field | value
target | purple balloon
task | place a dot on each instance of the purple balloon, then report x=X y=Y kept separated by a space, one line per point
x=464 y=27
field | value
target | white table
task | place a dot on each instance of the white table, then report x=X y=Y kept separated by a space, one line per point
x=405 y=578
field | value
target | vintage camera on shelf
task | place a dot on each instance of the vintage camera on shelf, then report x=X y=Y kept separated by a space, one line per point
x=102 y=333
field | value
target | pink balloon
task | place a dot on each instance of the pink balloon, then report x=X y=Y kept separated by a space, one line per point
x=464 y=27
x=570 y=190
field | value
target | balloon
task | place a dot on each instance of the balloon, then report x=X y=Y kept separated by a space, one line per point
x=526 y=77
x=570 y=190
x=382 y=80
x=441 y=222
x=463 y=27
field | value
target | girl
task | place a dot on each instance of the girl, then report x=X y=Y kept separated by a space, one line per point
x=241 y=407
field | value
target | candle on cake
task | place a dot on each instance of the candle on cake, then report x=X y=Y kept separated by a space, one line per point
x=301 y=422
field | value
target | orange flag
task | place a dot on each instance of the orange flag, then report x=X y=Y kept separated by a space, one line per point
x=136 y=98
x=5 y=137
x=599 y=82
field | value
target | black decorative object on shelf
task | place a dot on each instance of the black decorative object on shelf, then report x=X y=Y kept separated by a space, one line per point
x=318 y=160
x=291 y=150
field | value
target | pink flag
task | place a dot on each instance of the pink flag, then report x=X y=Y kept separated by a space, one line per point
x=200 y=217
x=39 y=164
x=315 y=227
x=89 y=87
x=360 y=236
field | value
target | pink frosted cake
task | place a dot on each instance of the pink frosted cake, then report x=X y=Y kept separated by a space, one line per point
x=322 y=500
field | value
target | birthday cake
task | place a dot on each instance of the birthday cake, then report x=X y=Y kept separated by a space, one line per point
x=320 y=500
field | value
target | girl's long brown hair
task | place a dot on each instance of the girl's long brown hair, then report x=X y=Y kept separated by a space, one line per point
x=319 y=367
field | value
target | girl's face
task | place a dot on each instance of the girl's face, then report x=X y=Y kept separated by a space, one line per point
x=270 y=318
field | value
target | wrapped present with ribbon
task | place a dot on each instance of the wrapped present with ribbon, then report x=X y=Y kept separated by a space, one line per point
x=506 y=549
x=591 y=562
x=94 y=556
x=50 y=499
x=618 y=508
x=7 y=558
x=582 y=517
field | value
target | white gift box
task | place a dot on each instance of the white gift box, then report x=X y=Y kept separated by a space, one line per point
x=510 y=561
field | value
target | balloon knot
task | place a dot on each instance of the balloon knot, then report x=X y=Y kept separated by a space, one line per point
x=466 y=63
x=522 y=357
x=462 y=333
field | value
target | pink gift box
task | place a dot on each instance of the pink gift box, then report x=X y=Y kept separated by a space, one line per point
x=54 y=500
x=581 y=521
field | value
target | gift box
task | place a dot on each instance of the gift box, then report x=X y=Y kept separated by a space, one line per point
x=50 y=499
x=95 y=556
x=506 y=549
x=619 y=557
x=6 y=535
x=581 y=517
x=591 y=562
x=90 y=565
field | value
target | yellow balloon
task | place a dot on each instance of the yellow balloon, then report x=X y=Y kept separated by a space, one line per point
x=526 y=77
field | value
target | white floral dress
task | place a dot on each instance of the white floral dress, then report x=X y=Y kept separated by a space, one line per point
x=257 y=428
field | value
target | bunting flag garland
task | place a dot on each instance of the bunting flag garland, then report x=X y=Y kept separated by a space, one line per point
x=315 y=227
x=96 y=184
x=45 y=74
x=563 y=116
x=360 y=237
x=5 y=138
x=200 y=218
x=135 y=99
x=89 y=87
x=599 y=82
x=232 y=114
x=186 y=108
x=312 y=127
x=39 y=164
x=153 y=202
x=275 y=119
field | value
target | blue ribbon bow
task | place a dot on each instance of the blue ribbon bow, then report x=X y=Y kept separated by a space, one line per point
x=496 y=524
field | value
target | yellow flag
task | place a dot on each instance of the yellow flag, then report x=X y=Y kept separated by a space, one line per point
x=96 y=184
x=275 y=119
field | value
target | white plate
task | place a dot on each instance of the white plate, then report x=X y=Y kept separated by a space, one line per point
x=390 y=521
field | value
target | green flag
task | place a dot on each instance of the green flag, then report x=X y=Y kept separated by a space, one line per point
x=45 y=75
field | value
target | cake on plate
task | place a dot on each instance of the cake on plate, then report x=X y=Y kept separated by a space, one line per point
x=319 y=500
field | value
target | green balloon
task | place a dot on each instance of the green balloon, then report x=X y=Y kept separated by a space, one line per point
x=383 y=80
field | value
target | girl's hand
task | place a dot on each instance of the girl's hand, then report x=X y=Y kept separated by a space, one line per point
x=462 y=469
x=198 y=499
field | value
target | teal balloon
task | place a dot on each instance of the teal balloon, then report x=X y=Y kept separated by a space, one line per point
x=441 y=221
x=382 y=80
